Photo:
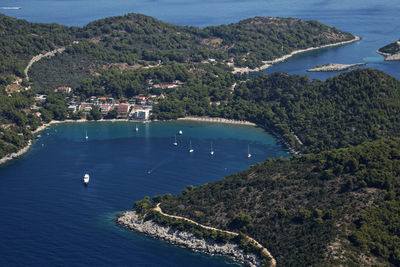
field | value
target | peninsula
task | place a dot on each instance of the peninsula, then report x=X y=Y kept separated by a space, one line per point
x=335 y=67
x=390 y=51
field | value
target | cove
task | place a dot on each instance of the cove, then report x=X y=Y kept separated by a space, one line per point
x=50 y=218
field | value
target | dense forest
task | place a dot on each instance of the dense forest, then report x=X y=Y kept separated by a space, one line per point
x=317 y=209
x=21 y=40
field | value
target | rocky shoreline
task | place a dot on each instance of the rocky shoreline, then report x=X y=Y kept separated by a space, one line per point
x=332 y=67
x=16 y=154
x=390 y=57
x=131 y=220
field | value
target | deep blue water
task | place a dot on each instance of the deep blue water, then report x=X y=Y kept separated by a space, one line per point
x=377 y=22
x=49 y=218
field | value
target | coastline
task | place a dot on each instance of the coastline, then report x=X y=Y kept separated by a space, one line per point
x=217 y=120
x=267 y=129
x=389 y=57
x=269 y=63
x=17 y=154
x=25 y=149
x=333 y=67
x=132 y=221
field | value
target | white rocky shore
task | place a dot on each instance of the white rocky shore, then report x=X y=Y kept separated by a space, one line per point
x=132 y=221
x=335 y=67
x=269 y=63
x=16 y=154
x=389 y=56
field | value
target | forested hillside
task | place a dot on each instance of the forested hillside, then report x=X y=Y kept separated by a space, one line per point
x=133 y=41
x=348 y=109
x=21 y=40
x=318 y=209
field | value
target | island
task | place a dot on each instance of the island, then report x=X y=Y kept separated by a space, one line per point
x=390 y=51
x=335 y=67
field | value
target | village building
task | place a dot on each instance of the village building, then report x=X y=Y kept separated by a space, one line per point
x=85 y=107
x=123 y=109
x=63 y=89
x=72 y=108
x=40 y=99
x=104 y=109
x=141 y=114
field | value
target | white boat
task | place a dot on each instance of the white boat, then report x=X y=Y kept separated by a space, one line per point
x=212 y=150
x=180 y=132
x=175 y=143
x=191 y=150
x=86 y=137
x=86 y=178
x=137 y=129
x=11 y=7
x=248 y=151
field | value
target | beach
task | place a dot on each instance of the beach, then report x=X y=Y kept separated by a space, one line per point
x=217 y=120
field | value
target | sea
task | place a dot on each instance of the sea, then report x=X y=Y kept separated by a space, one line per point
x=49 y=218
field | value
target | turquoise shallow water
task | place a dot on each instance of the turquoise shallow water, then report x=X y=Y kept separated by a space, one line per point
x=49 y=218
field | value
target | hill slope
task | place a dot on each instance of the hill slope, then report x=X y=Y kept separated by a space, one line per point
x=139 y=40
x=311 y=116
x=312 y=209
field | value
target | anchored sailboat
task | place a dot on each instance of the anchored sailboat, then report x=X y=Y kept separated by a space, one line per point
x=191 y=150
x=212 y=150
x=86 y=137
x=248 y=151
x=175 y=143
x=86 y=178
x=137 y=129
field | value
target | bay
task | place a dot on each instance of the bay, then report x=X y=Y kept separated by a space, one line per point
x=49 y=218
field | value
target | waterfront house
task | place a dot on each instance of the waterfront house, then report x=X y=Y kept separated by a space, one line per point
x=104 y=109
x=123 y=109
x=141 y=114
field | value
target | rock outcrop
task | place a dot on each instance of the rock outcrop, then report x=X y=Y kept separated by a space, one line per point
x=335 y=67
x=131 y=220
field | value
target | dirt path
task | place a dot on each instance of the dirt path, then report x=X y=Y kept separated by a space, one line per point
x=39 y=57
x=264 y=250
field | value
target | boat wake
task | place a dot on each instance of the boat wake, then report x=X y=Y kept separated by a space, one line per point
x=160 y=164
